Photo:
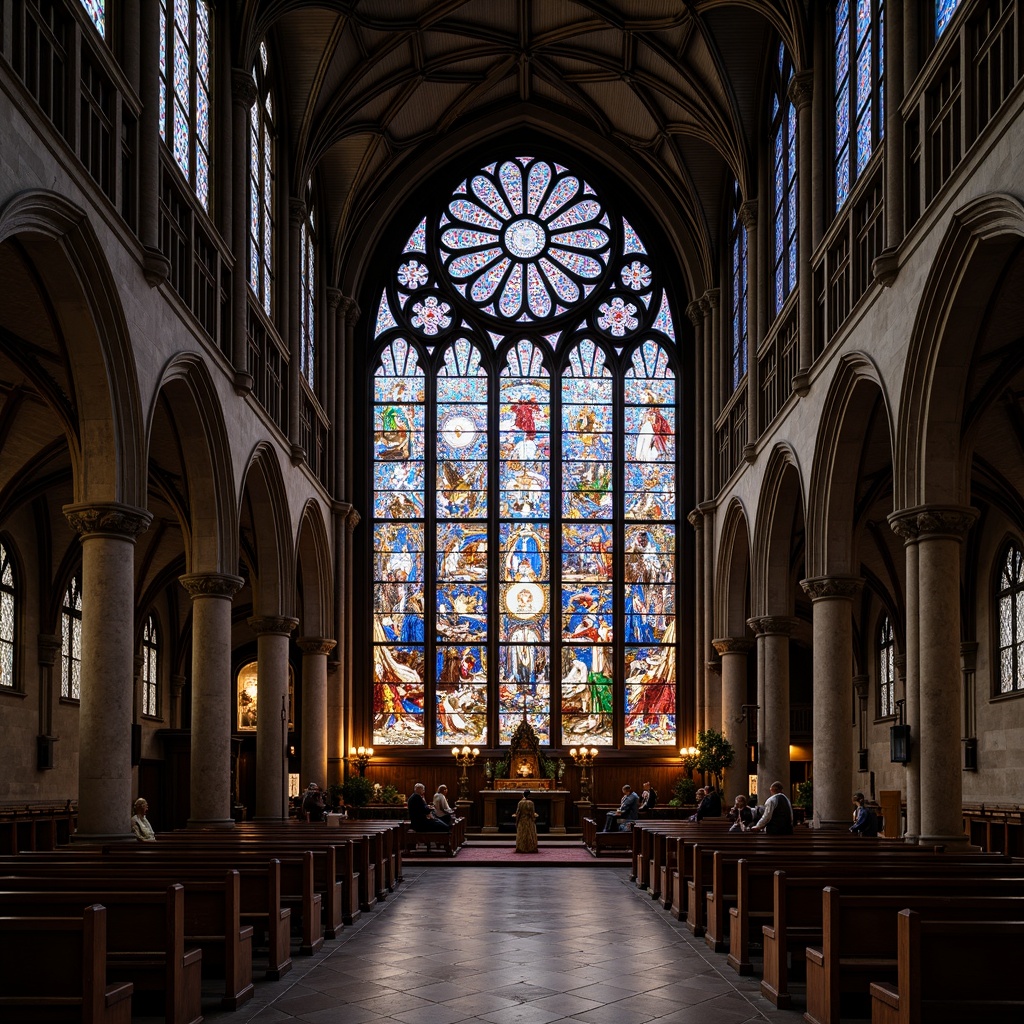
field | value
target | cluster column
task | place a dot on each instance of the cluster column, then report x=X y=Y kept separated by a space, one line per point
x=272 y=633
x=773 y=633
x=733 y=652
x=314 y=708
x=107 y=533
x=212 y=698
x=832 y=600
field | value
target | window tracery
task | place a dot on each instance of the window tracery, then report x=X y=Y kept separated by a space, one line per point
x=738 y=292
x=307 y=291
x=97 y=11
x=71 y=641
x=944 y=11
x=524 y=277
x=1011 y=621
x=784 y=181
x=262 y=138
x=8 y=620
x=150 y=664
x=886 y=669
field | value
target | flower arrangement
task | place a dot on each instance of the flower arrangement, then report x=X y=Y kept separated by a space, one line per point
x=386 y=794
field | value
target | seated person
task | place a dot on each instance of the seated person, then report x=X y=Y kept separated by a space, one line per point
x=313 y=803
x=866 y=821
x=442 y=809
x=740 y=814
x=421 y=814
x=629 y=808
x=698 y=799
x=710 y=806
x=141 y=828
x=648 y=798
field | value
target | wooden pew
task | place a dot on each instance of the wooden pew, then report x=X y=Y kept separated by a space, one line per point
x=614 y=844
x=55 y=968
x=860 y=940
x=442 y=840
x=952 y=971
x=145 y=941
x=212 y=910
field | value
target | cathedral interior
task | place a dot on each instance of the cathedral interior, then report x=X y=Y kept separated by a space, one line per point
x=390 y=374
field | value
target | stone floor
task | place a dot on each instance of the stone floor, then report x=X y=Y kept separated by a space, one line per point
x=512 y=946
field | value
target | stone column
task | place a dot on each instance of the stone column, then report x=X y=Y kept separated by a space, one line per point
x=156 y=266
x=733 y=652
x=773 y=633
x=713 y=296
x=314 y=708
x=296 y=218
x=693 y=311
x=696 y=520
x=177 y=686
x=860 y=689
x=748 y=217
x=706 y=492
x=49 y=646
x=712 y=691
x=801 y=92
x=272 y=633
x=243 y=96
x=940 y=532
x=886 y=264
x=904 y=525
x=213 y=698
x=832 y=600
x=107 y=533
x=333 y=297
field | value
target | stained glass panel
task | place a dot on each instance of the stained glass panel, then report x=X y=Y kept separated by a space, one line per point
x=784 y=192
x=262 y=141
x=1011 y=621
x=7 y=619
x=96 y=9
x=461 y=705
x=150 y=656
x=944 y=11
x=71 y=642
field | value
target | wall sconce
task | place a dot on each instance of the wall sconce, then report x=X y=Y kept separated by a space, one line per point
x=584 y=758
x=361 y=757
x=688 y=755
x=899 y=739
x=464 y=758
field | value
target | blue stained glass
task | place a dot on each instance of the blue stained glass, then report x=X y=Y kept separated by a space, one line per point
x=537 y=186
x=864 y=80
x=631 y=240
x=96 y=9
x=202 y=118
x=385 y=319
x=163 y=70
x=864 y=140
x=863 y=21
x=486 y=191
x=418 y=239
x=181 y=129
x=842 y=178
x=181 y=66
x=663 y=321
x=560 y=195
x=203 y=178
x=512 y=184
x=944 y=11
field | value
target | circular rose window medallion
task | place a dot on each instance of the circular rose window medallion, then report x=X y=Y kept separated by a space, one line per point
x=524 y=238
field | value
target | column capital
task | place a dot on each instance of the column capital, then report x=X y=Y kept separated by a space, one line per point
x=748 y=214
x=733 y=645
x=334 y=297
x=713 y=666
x=801 y=89
x=177 y=684
x=316 y=645
x=272 y=625
x=296 y=212
x=951 y=521
x=900 y=661
x=969 y=655
x=109 y=517
x=710 y=299
x=352 y=520
x=693 y=311
x=352 y=312
x=49 y=645
x=707 y=508
x=820 y=587
x=695 y=518
x=860 y=687
x=243 y=88
x=211 y=584
x=773 y=625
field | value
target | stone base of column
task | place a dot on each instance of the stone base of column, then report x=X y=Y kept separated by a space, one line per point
x=218 y=823
x=268 y=819
x=97 y=838
x=953 y=844
x=832 y=824
x=910 y=840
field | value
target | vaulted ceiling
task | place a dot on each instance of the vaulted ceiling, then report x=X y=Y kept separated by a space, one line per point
x=374 y=89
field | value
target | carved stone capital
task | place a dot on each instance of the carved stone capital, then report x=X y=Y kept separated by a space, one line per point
x=860 y=687
x=885 y=266
x=713 y=296
x=177 y=685
x=820 y=587
x=211 y=584
x=352 y=313
x=272 y=625
x=707 y=508
x=748 y=214
x=243 y=88
x=296 y=212
x=801 y=383
x=334 y=297
x=733 y=645
x=693 y=311
x=695 y=518
x=49 y=645
x=773 y=625
x=108 y=517
x=156 y=267
x=352 y=521
x=801 y=89
x=950 y=521
x=713 y=666
x=316 y=645
x=900 y=661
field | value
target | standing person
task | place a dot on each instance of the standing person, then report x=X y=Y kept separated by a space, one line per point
x=526 y=825
x=865 y=820
x=648 y=798
x=141 y=828
x=421 y=814
x=627 y=811
x=313 y=803
x=777 y=818
x=442 y=809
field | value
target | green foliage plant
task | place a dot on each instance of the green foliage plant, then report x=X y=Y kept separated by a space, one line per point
x=805 y=795
x=714 y=754
x=683 y=792
x=357 y=790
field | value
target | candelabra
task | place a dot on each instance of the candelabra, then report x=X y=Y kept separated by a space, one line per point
x=464 y=758
x=688 y=755
x=361 y=757
x=584 y=758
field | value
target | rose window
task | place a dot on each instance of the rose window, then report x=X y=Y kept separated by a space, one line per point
x=525 y=239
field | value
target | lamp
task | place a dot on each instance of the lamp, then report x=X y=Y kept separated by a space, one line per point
x=584 y=758
x=464 y=758
x=688 y=755
x=361 y=757
x=899 y=739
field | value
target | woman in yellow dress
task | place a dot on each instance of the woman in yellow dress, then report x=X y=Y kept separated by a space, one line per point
x=526 y=827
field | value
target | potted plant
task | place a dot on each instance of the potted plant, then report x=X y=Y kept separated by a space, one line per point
x=714 y=754
x=683 y=792
x=357 y=790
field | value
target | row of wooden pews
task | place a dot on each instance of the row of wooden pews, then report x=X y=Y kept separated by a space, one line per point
x=831 y=902
x=450 y=842
x=192 y=904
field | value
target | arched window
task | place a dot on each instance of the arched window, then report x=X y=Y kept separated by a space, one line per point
x=738 y=292
x=71 y=641
x=185 y=89
x=886 y=669
x=262 y=136
x=307 y=285
x=150 y=665
x=860 y=66
x=524 y=472
x=944 y=11
x=1011 y=622
x=784 y=180
x=97 y=11
x=8 y=598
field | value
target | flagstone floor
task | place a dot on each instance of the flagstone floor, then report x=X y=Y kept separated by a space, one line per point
x=509 y=945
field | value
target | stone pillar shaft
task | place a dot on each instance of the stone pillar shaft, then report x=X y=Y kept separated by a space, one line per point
x=213 y=698
x=733 y=652
x=894 y=169
x=243 y=95
x=712 y=690
x=314 y=709
x=801 y=91
x=696 y=520
x=296 y=218
x=157 y=267
x=772 y=632
x=748 y=217
x=108 y=534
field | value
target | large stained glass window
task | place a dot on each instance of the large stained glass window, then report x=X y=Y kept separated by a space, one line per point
x=8 y=597
x=185 y=89
x=150 y=666
x=944 y=11
x=97 y=11
x=886 y=669
x=1011 y=622
x=307 y=289
x=524 y=472
x=737 y=293
x=262 y=135
x=859 y=97
x=71 y=641
x=784 y=182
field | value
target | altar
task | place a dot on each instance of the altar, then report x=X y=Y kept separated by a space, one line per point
x=499 y=804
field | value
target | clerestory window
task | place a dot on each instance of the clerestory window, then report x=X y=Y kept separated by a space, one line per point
x=262 y=140
x=1011 y=621
x=784 y=181
x=886 y=669
x=150 y=668
x=8 y=619
x=71 y=641
x=737 y=293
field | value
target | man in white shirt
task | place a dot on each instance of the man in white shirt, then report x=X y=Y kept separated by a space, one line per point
x=777 y=819
x=442 y=809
